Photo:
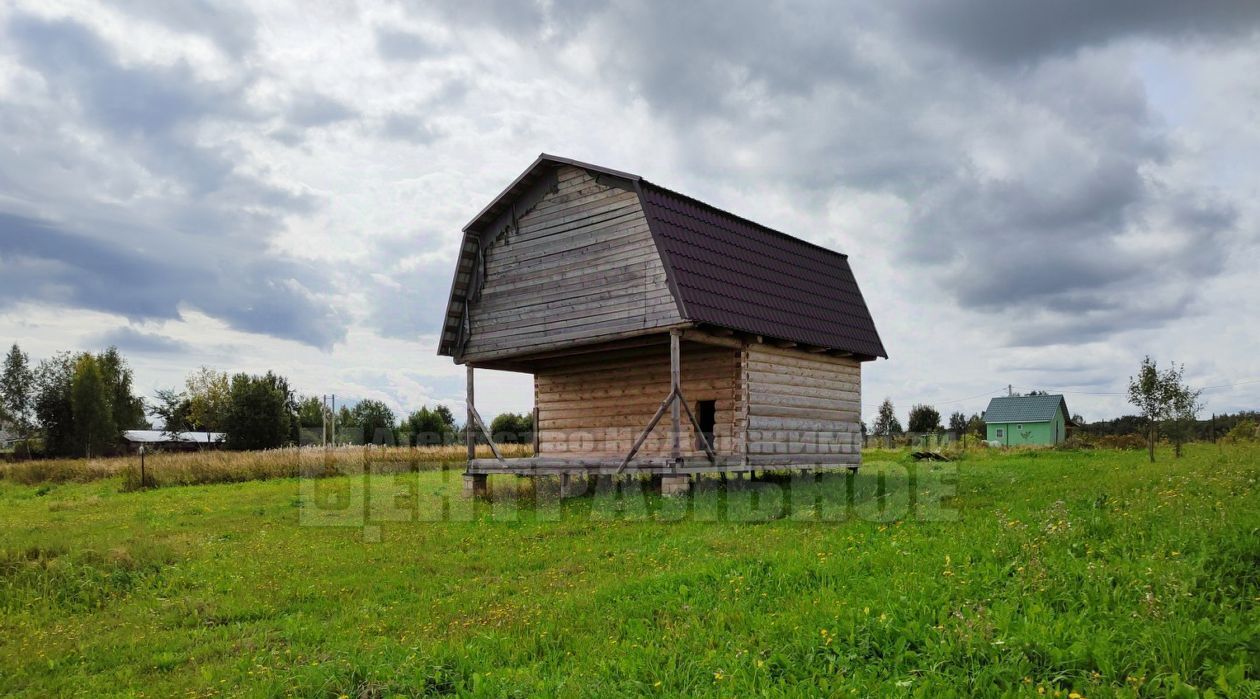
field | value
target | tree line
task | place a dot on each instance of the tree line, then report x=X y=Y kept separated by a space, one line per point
x=923 y=419
x=79 y=404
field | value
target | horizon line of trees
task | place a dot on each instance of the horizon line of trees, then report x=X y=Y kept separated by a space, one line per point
x=79 y=404
x=1168 y=407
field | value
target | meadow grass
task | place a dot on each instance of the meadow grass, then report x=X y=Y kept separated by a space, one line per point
x=220 y=466
x=1057 y=572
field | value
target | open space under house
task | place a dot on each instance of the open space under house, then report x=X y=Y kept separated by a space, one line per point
x=665 y=336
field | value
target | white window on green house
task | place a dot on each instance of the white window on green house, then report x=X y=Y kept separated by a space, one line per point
x=1000 y=433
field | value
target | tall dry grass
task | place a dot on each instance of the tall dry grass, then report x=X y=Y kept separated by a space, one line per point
x=195 y=468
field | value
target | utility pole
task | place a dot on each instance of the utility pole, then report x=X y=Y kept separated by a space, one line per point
x=323 y=420
x=334 y=419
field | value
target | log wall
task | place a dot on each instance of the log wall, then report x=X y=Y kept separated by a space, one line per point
x=580 y=267
x=801 y=405
x=597 y=404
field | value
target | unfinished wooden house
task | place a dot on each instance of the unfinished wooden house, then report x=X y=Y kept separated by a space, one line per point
x=664 y=335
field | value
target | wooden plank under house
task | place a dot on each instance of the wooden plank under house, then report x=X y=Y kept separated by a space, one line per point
x=664 y=335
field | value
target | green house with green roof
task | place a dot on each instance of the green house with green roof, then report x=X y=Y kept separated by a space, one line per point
x=1027 y=420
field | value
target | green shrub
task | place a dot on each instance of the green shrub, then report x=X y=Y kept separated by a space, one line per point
x=1076 y=442
x=1244 y=431
x=1121 y=441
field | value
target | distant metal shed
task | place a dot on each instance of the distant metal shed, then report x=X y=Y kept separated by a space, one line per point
x=173 y=441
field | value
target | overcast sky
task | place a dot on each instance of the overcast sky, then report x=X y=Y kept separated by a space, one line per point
x=1030 y=193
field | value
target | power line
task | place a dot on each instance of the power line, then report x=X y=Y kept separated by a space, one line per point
x=955 y=400
x=1231 y=385
x=1079 y=393
x=978 y=395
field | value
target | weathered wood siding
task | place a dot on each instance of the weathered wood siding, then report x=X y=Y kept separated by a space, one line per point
x=597 y=404
x=802 y=405
x=581 y=267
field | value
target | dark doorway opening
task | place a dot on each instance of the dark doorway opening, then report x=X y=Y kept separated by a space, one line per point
x=706 y=414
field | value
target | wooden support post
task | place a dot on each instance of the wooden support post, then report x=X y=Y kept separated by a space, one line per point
x=535 y=424
x=470 y=434
x=675 y=381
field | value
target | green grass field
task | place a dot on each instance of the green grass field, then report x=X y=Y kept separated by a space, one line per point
x=1042 y=572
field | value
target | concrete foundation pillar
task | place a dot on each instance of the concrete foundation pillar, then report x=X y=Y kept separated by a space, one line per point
x=675 y=485
x=476 y=485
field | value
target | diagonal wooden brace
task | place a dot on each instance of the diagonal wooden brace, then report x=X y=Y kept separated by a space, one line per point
x=638 y=443
x=485 y=431
x=704 y=439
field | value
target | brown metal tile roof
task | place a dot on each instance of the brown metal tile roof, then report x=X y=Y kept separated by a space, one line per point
x=734 y=273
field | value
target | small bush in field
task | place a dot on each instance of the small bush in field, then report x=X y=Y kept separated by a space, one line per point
x=1076 y=441
x=1121 y=441
x=1244 y=431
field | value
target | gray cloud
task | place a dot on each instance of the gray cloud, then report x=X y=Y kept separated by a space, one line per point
x=408 y=127
x=232 y=27
x=149 y=220
x=42 y=262
x=407 y=293
x=148 y=101
x=130 y=340
x=1023 y=31
x=312 y=109
x=403 y=46
x=151 y=108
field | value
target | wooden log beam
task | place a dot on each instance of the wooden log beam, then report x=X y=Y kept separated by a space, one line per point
x=516 y=354
x=661 y=465
x=709 y=338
